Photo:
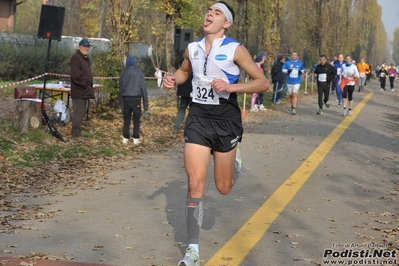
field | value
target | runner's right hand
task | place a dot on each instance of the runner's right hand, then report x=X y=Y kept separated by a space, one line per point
x=169 y=82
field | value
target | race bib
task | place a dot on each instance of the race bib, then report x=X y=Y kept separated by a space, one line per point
x=203 y=93
x=339 y=71
x=362 y=74
x=392 y=75
x=294 y=73
x=322 y=77
x=382 y=75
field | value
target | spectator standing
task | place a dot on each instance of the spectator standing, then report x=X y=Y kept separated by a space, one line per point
x=278 y=78
x=324 y=73
x=132 y=90
x=81 y=85
x=294 y=68
x=259 y=61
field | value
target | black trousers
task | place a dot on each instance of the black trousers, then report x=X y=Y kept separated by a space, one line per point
x=382 y=83
x=323 y=88
x=276 y=86
x=348 y=92
x=131 y=105
x=391 y=81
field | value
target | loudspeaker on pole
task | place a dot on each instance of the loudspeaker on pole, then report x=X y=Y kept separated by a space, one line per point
x=182 y=38
x=51 y=22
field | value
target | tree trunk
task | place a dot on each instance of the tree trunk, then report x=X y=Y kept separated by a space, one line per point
x=27 y=115
x=169 y=41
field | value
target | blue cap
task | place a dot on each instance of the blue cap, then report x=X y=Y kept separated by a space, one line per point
x=84 y=42
x=263 y=53
x=259 y=58
x=130 y=61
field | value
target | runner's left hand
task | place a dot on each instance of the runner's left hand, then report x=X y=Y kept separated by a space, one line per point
x=220 y=85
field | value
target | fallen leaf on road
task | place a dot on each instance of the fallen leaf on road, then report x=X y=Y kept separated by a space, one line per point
x=6 y=251
x=23 y=263
x=383 y=222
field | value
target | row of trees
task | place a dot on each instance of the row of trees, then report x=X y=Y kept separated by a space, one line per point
x=395 y=44
x=311 y=27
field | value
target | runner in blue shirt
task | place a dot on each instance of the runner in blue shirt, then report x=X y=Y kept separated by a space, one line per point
x=338 y=69
x=294 y=68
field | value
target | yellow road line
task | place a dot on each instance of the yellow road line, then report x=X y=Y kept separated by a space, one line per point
x=237 y=248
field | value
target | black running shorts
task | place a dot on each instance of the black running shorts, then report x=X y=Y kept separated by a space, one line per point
x=219 y=135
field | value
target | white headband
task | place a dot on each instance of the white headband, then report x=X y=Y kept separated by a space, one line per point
x=225 y=10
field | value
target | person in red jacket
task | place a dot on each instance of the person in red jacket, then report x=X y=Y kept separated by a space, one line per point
x=392 y=75
x=81 y=85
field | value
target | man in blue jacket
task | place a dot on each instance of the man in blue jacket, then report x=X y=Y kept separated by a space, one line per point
x=132 y=89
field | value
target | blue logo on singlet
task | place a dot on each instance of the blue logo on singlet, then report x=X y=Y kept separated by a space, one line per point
x=221 y=57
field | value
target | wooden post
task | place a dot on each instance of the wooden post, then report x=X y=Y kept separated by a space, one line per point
x=306 y=83
x=27 y=115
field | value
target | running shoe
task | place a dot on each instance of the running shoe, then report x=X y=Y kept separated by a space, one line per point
x=339 y=105
x=344 y=112
x=136 y=141
x=392 y=90
x=191 y=258
x=238 y=165
x=350 y=112
x=293 y=111
x=381 y=89
x=320 y=112
x=327 y=105
x=262 y=107
x=125 y=140
x=254 y=109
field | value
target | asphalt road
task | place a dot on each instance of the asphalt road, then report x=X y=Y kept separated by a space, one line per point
x=312 y=184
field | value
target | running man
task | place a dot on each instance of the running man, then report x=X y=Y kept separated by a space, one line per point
x=347 y=82
x=294 y=68
x=324 y=73
x=338 y=68
x=213 y=125
x=363 y=69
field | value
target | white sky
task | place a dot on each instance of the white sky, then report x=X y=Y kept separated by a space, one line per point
x=390 y=16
